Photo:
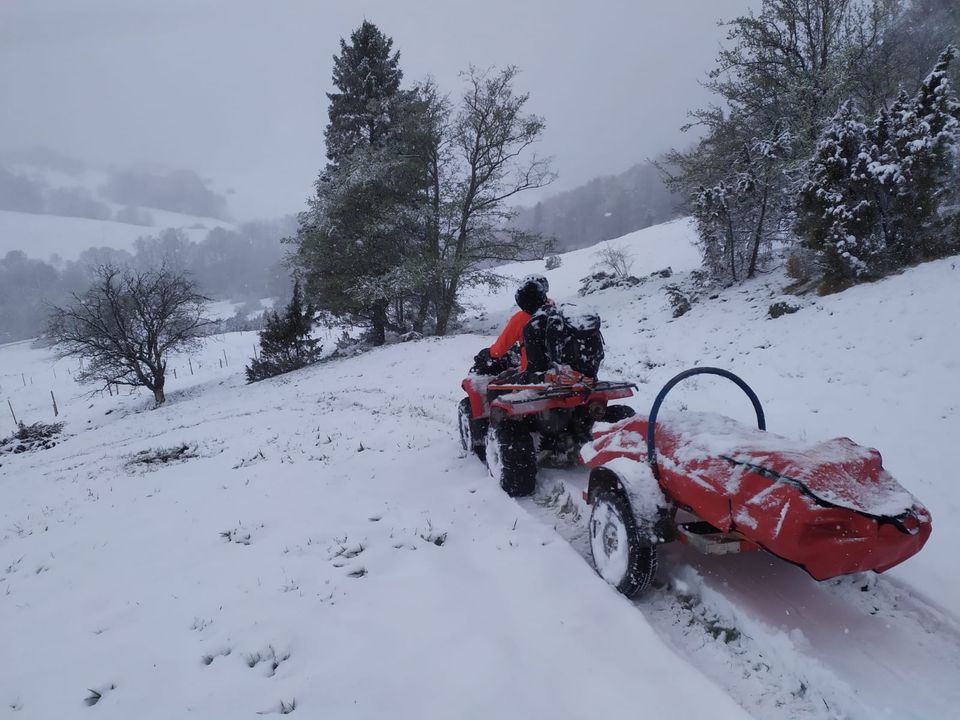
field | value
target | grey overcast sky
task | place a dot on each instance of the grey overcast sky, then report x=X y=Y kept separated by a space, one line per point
x=235 y=89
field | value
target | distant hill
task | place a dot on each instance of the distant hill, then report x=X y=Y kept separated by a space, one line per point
x=602 y=209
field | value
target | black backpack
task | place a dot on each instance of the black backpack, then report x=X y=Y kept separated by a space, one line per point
x=575 y=341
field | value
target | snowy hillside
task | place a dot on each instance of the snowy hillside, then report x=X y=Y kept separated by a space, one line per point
x=40 y=236
x=325 y=547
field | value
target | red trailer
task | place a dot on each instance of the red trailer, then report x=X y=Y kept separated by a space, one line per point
x=829 y=507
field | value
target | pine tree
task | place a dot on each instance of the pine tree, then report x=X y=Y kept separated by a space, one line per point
x=285 y=342
x=364 y=111
x=835 y=215
x=356 y=232
x=925 y=137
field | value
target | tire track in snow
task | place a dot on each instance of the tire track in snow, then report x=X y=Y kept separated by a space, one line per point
x=783 y=645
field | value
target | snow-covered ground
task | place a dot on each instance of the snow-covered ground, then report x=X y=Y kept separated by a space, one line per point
x=328 y=543
x=41 y=236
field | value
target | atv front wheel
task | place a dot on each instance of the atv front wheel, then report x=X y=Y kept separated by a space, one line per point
x=512 y=458
x=463 y=422
x=620 y=555
x=472 y=435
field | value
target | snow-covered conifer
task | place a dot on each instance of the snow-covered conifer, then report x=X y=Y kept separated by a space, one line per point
x=835 y=215
x=285 y=342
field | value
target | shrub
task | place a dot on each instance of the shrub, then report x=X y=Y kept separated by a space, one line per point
x=617 y=260
x=779 y=309
x=285 y=342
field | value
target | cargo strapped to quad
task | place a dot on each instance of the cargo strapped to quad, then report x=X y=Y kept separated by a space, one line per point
x=558 y=391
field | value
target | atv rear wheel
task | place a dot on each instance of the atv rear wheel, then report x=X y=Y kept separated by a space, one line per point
x=620 y=555
x=472 y=435
x=512 y=458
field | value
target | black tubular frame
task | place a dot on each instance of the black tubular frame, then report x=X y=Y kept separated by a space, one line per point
x=676 y=379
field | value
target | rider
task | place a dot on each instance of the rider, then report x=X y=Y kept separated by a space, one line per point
x=530 y=296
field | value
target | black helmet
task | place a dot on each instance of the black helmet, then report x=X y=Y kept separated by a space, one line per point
x=539 y=279
x=531 y=296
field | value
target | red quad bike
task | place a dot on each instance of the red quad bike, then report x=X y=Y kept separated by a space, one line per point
x=829 y=507
x=513 y=427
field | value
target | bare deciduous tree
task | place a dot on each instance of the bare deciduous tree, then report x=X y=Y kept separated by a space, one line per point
x=616 y=259
x=486 y=166
x=126 y=324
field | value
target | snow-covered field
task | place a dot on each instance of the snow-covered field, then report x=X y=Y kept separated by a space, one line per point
x=327 y=547
x=41 y=236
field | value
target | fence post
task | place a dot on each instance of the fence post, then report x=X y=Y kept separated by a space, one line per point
x=225 y=361
x=191 y=365
x=24 y=379
x=56 y=411
x=9 y=405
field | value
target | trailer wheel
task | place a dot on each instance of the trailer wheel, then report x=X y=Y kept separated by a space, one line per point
x=616 y=413
x=472 y=431
x=620 y=555
x=512 y=458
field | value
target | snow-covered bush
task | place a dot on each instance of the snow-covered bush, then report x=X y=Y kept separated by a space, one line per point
x=615 y=260
x=678 y=300
x=39 y=436
x=163 y=456
x=779 y=309
x=877 y=197
x=603 y=280
x=553 y=262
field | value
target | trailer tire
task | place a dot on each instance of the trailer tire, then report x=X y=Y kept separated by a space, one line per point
x=512 y=458
x=621 y=555
x=616 y=413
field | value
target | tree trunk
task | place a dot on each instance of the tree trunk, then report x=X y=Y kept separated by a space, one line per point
x=420 y=319
x=158 y=394
x=446 y=300
x=732 y=242
x=758 y=236
x=379 y=324
x=443 y=318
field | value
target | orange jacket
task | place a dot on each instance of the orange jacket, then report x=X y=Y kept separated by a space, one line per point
x=511 y=335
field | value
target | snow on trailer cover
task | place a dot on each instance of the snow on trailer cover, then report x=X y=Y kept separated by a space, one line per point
x=829 y=507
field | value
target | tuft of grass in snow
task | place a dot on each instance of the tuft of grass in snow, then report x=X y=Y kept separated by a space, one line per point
x=436 y=538
x=208 y=659
x=96 y=696
x=284 y=708
x=268 y=657
x=252 y=460
x=162 y=456
x=710 y=622
x=239 y=535
x=200 y=624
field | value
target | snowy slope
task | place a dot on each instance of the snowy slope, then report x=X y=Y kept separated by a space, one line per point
x=40 y=236
x=655 y=248
x=387 y=576
x=377 y=568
